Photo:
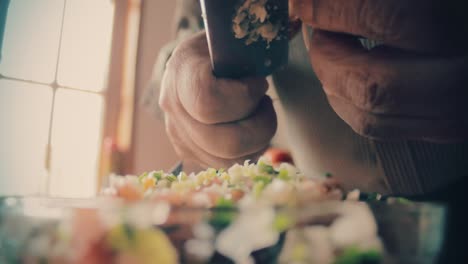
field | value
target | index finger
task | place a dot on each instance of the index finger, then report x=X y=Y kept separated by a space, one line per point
x=386 y=81
x=421 y=25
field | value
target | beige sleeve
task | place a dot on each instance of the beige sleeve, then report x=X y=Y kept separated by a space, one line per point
x=187 y=21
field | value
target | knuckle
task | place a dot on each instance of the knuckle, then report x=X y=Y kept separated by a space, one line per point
x=227 y=146
x=174 y=60
x=239 y=147
x=381 y=22
x=167 y=95
x=243 y=143
x=163 y=104
x=371 y=89
x=254 y=135
x=181 y=151
x=206 y=104
x=184 y=52
x=234 y=147
x=178 y=145
x=365 y=126
x=164 y=100
x=221 y=101
x=372 y=96
x=170 y=130
x=189 y=79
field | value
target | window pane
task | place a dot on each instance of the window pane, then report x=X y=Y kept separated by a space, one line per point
x=31 y=40
x=75 y=143
x=86 y=43
x=24 y=121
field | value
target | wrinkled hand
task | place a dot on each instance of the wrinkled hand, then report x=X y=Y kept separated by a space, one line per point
x=215 y=122
x=414 y=86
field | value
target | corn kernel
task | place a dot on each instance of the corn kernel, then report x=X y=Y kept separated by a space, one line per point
x=148 y=183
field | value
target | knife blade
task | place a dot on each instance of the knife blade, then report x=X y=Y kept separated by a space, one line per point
x=246 y=37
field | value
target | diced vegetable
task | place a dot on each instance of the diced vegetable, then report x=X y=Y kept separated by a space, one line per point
x=157 y=175
x=355 y=255
x=282 y=222
x=277 y=156
x=142 y=176
x=223 y=214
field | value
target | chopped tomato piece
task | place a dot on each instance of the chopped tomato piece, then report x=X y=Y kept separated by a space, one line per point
x=276 y=156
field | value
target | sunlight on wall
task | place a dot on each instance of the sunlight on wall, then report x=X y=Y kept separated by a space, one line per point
x=24 y=116
x=85 y=44
x=52 y=77
x=75 y=141
x=31 y=39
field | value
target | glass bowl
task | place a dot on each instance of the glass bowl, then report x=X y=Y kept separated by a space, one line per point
x=76 y=231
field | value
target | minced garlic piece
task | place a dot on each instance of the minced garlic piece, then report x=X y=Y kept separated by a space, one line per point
x=252 y=22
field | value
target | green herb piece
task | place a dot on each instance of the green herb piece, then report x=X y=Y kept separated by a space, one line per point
x=283 y=175
x=223 y=214
x=354 y=255
x=282 y=222
x=328 y=175
x=262 y=178
x=372 y=197
x=171 y=178
x=258 y=188
x=142 y=176
x=299 y=252
x=263 y=167
x=211 y=173
x=224 y=203
x=158 y=175
x=402 y=200
x=129 y=231
x=398 y=200
x=183 y=176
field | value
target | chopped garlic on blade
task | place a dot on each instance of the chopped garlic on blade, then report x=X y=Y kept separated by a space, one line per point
x=252 y=22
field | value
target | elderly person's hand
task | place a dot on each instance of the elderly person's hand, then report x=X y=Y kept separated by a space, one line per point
x=215 y=122
x=413 y=86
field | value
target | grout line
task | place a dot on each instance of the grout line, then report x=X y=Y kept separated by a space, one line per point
x=51 y=120
x=53 y=85
x=24 y=80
